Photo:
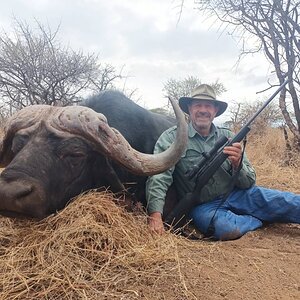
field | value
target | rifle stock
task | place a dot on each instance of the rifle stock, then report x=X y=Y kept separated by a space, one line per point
x=209 y=165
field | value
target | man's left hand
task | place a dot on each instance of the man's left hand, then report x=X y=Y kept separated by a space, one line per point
x=234 y=153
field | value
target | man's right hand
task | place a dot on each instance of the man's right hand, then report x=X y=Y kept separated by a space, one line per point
x=155 y=222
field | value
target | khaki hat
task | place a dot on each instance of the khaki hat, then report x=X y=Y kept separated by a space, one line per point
x=202 y=92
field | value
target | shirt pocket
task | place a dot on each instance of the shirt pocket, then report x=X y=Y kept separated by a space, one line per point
x=189 y=160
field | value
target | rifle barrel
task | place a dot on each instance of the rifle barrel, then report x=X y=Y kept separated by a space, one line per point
x=266 y=103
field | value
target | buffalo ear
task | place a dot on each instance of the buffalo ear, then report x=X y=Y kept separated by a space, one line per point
x=24 y=118
x=6 y=154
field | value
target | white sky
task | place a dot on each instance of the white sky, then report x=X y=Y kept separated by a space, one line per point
x=146 y=37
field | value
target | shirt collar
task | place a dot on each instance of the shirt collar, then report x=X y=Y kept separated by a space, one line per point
x=192 y=131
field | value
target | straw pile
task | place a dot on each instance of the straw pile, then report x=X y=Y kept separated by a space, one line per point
x=93 y=249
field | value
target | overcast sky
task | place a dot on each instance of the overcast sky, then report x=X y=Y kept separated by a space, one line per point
x=146 y=37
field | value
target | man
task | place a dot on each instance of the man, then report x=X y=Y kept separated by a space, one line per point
x=244 y=208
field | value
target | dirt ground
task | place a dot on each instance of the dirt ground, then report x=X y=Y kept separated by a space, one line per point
x=263 y=264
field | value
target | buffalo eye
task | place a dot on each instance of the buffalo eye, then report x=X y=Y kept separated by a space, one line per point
x=74 y=158
x=72 y=151
x=19 y=141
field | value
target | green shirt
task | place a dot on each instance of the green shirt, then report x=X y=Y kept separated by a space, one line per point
x=157 y=185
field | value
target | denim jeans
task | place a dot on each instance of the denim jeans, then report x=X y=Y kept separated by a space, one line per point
x=246 y=210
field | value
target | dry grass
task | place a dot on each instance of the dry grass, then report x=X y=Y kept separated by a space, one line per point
x=267 y=154
x=95 y=249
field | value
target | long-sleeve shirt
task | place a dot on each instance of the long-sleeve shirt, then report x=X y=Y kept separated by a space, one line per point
x=158 y=185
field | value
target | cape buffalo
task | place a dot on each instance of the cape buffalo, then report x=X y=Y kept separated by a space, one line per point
x=52 y=154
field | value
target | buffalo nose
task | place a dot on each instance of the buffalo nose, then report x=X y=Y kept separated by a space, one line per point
x=15 y=189
x=22 y=191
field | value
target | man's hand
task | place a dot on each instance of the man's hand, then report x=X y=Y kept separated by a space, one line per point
x=155 y=222
x=234 y=153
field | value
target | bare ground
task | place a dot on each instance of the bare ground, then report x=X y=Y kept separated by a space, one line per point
x=261 y=265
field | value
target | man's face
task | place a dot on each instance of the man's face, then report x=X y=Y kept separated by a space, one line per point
x=202 y=113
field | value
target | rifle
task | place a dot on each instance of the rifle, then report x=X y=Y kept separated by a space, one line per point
x=210 y=163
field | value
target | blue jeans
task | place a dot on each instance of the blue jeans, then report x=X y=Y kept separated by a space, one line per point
x=246 y=210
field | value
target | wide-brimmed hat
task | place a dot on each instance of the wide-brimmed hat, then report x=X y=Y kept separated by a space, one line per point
x=202 y=92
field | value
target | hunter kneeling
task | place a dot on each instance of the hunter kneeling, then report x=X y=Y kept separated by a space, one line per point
x=230 y=204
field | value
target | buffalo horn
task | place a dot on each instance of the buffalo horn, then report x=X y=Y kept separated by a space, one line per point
x=93 y=127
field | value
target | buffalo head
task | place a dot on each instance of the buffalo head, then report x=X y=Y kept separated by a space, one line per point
x=51 y=154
